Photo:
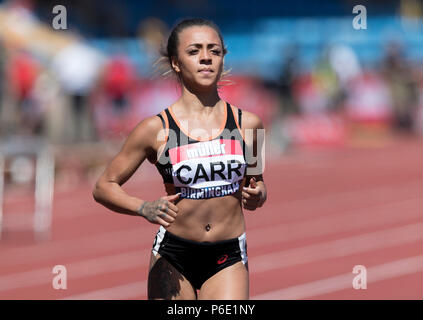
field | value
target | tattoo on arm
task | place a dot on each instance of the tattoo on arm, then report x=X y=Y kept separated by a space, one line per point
x=149 y=209
x=139 y=211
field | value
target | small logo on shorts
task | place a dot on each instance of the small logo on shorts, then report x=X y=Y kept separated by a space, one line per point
x=222 y=259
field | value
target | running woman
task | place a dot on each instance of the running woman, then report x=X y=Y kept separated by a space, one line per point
x=200 y=146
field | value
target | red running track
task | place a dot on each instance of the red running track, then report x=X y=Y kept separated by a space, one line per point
x=328 y=210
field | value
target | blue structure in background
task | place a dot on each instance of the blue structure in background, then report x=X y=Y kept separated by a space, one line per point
x=241 y=15
x=260 y=50
x=257 y=32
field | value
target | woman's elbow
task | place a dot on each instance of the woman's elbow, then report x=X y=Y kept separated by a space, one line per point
x=97 y=191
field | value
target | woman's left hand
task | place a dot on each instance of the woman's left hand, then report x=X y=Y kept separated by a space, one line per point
x=253 y=196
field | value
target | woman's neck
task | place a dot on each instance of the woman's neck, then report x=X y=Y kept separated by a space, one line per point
x=199 y=101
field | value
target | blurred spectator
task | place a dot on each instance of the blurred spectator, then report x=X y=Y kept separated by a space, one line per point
x=118 y=81
x=288 y=73
x=50 y=100
x=368 y=99
x=346 y=66
x=411 y=12
x=402 y=82
x=23 y=71
x=77 y=68
x=112 y=100
x=153 y=32
x=316 y=92
x=2 y=87
x=326 y=81
x=419 y=114
x=345 y=63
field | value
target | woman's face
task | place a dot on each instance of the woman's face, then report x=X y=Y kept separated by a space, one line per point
x=200 y=57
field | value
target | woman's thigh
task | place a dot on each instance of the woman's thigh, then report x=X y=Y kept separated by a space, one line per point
x=167 y=283
x=231 y=283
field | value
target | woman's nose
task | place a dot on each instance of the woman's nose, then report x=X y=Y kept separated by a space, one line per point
x=205 y=57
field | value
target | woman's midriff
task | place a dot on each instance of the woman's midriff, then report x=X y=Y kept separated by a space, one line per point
x=223 y=215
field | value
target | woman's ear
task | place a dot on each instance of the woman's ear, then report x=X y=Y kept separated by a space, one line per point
x=175 y=64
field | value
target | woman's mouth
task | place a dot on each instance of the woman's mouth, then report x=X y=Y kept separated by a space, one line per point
x=206 y=71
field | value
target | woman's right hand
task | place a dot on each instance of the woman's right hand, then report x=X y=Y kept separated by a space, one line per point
x=161 y=211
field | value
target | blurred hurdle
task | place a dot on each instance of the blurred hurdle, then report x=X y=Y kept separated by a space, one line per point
x=43 y=184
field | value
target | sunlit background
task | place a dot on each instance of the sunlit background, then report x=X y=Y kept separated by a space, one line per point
x=343 y=111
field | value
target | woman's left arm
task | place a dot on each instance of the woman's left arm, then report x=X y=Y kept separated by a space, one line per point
x=254 y=193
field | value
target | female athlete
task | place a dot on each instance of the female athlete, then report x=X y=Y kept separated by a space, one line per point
x=201 y=146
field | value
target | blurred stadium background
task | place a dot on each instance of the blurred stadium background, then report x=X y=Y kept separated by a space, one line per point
x=343 y=111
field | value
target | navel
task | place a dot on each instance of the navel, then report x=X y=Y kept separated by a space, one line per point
x=208 y=227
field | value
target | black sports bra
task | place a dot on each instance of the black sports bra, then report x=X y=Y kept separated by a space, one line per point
x=203 y=169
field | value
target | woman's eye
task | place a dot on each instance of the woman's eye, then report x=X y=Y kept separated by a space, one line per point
x=192 y=51
x=216 y=52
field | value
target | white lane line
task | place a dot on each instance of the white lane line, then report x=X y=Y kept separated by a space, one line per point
x=378 y=192
x=97 y=244
x=337 y=248
x=85 y=268
x=126 y=291
x=278 y=233
x=263 y=263
x=320 y=207
x=67 y=198
x=392 y=212
x=376 y=273
x=351 y=245
x=356 y=219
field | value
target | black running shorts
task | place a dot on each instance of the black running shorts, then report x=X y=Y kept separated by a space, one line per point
x=198 y=261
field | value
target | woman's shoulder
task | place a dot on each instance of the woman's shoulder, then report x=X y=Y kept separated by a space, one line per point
x=147 y=129
x=249 y=119
x=151 y=124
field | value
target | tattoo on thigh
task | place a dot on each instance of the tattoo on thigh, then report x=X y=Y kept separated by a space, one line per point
x=164 y=281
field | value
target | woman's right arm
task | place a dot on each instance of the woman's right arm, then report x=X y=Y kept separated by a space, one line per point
x=108 y=191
